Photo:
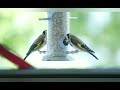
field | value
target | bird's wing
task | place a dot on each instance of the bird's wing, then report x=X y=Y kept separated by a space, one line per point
x=30 y=50
x=80 y=44
x=87 y=48
x=77 y=42
x=39 y=41
x=38 y=45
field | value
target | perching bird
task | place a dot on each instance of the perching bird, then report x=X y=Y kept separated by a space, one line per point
x=38 y=43
x=78 y=44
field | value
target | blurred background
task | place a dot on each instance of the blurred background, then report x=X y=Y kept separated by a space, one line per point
x=99 y=30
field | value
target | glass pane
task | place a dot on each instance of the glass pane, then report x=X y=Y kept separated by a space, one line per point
x=98 y=29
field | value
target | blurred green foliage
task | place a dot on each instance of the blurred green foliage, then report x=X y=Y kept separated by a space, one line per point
x=78 y=26
x=108 y=37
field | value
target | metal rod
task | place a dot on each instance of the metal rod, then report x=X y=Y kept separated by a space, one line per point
x=71 y=18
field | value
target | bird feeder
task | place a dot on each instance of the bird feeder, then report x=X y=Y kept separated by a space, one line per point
x=58 y=27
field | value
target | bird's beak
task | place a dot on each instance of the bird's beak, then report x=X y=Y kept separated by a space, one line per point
x=67 y=40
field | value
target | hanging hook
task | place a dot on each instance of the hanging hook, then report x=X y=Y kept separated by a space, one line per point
x=73 y=18
x=44 y=18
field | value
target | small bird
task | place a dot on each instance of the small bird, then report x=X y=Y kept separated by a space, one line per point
x=38 y=43
x=78 y=44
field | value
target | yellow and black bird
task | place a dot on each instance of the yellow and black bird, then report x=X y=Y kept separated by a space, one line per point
x=78 y=44
x=38 y=43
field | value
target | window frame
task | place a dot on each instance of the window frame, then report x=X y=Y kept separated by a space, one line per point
x=76 y=75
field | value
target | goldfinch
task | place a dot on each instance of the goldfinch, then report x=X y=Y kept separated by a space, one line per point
x=38 y=43
x=78 y=44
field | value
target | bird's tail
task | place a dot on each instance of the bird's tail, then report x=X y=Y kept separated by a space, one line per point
x=27 y=55
x=87 y=48
x=93 y=55
x=91 y=51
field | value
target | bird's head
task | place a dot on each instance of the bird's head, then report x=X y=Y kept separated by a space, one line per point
x=68 y=35
x=45 y=32
x=67 y=38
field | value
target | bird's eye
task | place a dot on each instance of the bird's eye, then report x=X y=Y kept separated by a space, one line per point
x=68 y=35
